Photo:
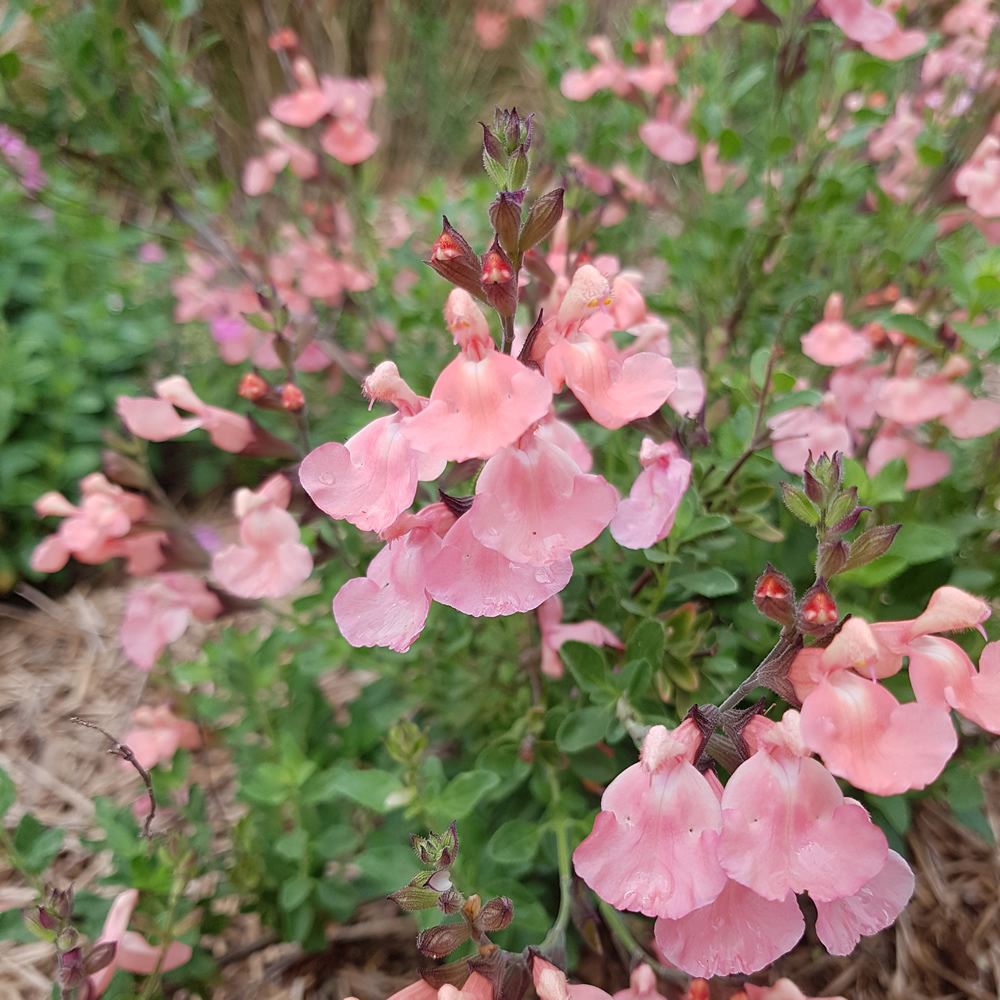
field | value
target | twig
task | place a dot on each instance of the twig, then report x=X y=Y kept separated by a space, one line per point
x=125 y=752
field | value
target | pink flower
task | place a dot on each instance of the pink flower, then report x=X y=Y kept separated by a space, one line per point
x=800 y=432
x=481 y=582
x=832 y=341
x=738 y=931
x=653 y=846
x=695 y=18
x=666 y=135
x=151 y=253
x=978 y=181
x=490 y=27
x=158 y=612
x=717 y=173
x=924 y=466
x=786 y=824
x=642 y=985
x=859 y=20
x=783 y=989
x=555 y=633
x=550 y=983
x=133 y=952
x=647 y=514
x=943 y=675
x=372 y=479
x=158 y=734
x=476 y=987
x=482 y=401
x=841 y=923
x=270 y=560
x=534 y=505
x=581 y=85
x=156 y=419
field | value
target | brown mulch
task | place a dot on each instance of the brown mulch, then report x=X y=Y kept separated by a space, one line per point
x=61 y=659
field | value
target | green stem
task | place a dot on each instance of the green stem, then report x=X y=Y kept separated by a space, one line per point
x=556 y=938
x=636 y=953
x=177 y=886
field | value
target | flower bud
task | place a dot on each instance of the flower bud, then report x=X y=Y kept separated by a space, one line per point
x=124 y=471
x=437 y=942
x=499 y=280
x=253 y=387
x=513 y=130
x=870 y=544
x=455 y=261
x=798 y=502
x=71 y=972
x=292 y=397
x=517 y=169
x=495 y=914
x=831 y=558
x=437 y=850
x=491 y=146
x=774 y=596
x=542 y=219
x=99 y=957
x=817 y=609
x=841 y=506
x=505 y=216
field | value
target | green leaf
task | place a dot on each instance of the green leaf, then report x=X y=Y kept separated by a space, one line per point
x=982 y=337
x=646 y=642
x=150 y=39
x=292 y=846
x=583 y=728
x=730 y=144
x=10 y=65
x=923 y=543
x=370 y=788
x=295 y=892
x=714 y=582
x=758 y=366
x=889 y=485
x=707 y=524
x=36 y=843
x=588 y=667
x=8 y=792
x=912 y=326
x=514 y=842
x=463 y=792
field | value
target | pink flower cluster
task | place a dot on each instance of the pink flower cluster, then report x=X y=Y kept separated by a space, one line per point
x=897 y=397
x=507 y=548
x=719 y=868
x=22 y=159
x=859 y=728
x=107 y=524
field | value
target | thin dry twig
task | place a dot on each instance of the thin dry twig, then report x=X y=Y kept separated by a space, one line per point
x=125 y=752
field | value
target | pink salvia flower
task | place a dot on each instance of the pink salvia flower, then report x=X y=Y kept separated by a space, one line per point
x=534 y=505
x=786 y=824
x=373 y=478
x=158 y=734
x=646 y=516
x=859 y=20
x=924 y=466
x=482 y=401
x=695 y=18
x=555 y=633
x=158 y=612
x=653 y=846
x=551 y=983
x=270 y=560
x=666 y=135
x=476 y=987
x=832 y=341
x=978 y=181
x=783 y=989
x=642 y=985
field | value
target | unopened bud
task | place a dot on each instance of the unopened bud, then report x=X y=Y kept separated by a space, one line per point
x=491 y=145
x=848 y=523
x=831 y=559
x=253 y=387
x=437 y=942
x=517 y=169
x=870 y=544
x=292 y=397
x=71 y=972
x=472 y=907
x=499 y=281
x=123 y=471
x=774 y=596
x=495 y=915
x=450 y=901
x=513 y=130
x=542 y=219
x=800 y=503
x=842 y=505
x=99 y=957
x=505 y=216
x=817 y=608
x=455 y=261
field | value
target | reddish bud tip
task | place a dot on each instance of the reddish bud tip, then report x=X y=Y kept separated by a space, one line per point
x=292 y=397
x=818 y=607
x=253 y=387
x=497 y=267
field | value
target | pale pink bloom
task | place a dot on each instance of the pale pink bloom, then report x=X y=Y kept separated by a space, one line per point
x=590 y=176
x=697 y=16
x=924 y=466
x=555 y=633
x=841 y=923
x=715 y=172
x=978 y=181
x=482 y=582
x=371 y=479
x=859 y=20
x=305 y=106
x=490 y=27
x=481 y=402
x=151 y=253
x=800 y=432
x=563 y=436
x=689 y=396
x=646 y=515
x=738 y=932
x=631 y=186
x=581 y=85
x=899 y=44
x=653 y=846
x=832 y=341
x=158 y=612
x=533 y=9
x=865 y=735
x=155 y=420
x=349 y=140
x=659 y=71
x=971 y=418
x=913 y=400
x=158 y=734
x=856 y=391
x=783 y=989
x=551 y=984
x=666 y=135
x=389 y=605
x=786 y=826
x=270 y=560
x=943 y=675
x=534 y=505
x=641 y=985
x=476 y=987
x=133 y=952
